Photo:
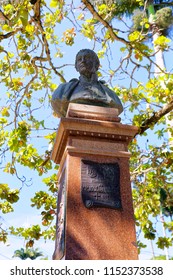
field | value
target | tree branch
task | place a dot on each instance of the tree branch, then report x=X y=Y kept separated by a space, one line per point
x=9 y=34
x=37 y=19
x=4 y=17
x=104 y=22
x=155 y=117
x=114 y=36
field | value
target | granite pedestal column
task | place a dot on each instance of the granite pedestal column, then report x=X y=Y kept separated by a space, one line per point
x=95 y=218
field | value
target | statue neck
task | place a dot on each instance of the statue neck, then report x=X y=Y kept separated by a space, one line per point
x=92 y=79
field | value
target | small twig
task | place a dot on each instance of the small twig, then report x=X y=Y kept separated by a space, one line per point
x=104 y=22
x=37 y=20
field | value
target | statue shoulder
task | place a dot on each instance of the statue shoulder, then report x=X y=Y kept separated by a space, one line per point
x=64 y=88
x=114 y=97
x=74 y=80
x=102 y=82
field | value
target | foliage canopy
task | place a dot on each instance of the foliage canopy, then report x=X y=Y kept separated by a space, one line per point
x=36 y=38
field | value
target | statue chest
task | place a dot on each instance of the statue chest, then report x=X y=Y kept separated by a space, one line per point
x=88 y=91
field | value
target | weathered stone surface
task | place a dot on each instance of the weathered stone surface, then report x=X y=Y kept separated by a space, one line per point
x=96 y=233
x=92 y=112
x=61 y=218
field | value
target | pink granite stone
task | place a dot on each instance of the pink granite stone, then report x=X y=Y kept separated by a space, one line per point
x=97 y=233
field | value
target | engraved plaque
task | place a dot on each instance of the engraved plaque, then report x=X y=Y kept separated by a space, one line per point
x=100 y=185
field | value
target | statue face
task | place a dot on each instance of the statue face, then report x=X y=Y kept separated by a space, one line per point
x=86 y=63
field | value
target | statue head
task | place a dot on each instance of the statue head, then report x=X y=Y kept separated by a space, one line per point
x=87 y=62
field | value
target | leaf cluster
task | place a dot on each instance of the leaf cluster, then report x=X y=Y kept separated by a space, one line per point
x=8 y=196
x=117 y=8
x=27 y=253
x=163 y=19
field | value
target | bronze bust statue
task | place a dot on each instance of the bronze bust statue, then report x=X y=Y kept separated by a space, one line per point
x=87 y=90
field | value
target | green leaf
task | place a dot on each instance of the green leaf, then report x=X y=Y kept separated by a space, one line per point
x=23 y=15
x=162 y=42
x=5 y=112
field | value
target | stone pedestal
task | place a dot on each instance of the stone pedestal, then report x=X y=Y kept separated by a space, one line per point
x=95 y=220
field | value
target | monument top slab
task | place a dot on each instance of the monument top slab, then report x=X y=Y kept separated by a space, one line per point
x=92 y=112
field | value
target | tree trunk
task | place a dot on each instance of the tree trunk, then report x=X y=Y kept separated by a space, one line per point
x=159 y=57
x=160 y=64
